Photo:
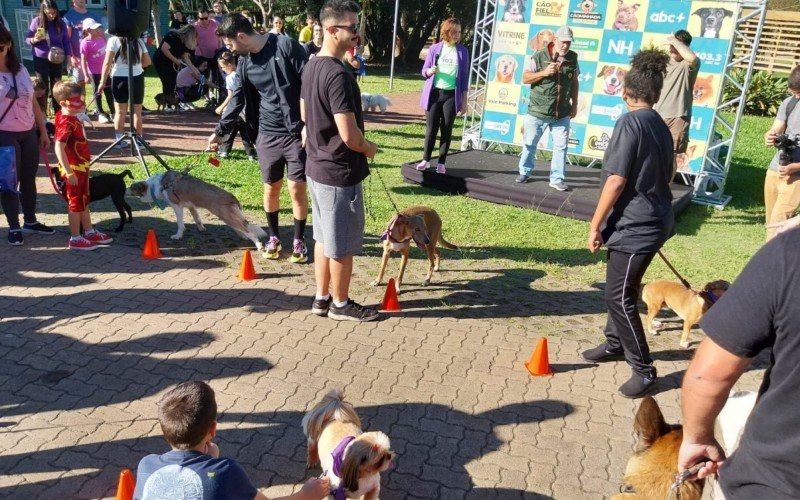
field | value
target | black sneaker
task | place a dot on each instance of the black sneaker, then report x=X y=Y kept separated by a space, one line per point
x=320 y=306
x=37 y=227
x=637 y=386
x=602 y=353
x=15 y=237
x=352 y=312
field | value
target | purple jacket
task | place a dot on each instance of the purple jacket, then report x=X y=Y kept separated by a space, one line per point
x=462 y=81
x=57 y=39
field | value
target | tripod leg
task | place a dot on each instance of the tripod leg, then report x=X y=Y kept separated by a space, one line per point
x=105 y=151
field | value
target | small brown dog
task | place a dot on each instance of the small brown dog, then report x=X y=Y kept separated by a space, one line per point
x=164 y=100
x=651 y=470
x=420 y=224
x=690 y=305
x=351 y=458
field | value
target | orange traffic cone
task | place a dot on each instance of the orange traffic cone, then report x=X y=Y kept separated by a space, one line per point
x=151 y=250
x=126 y=485
x=390 y=302
x=247 y=272
x=539 y=364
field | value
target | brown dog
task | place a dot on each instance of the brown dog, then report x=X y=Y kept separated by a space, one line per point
x=651 y=470
x=690 y=305
x=164 y=100
x=420 y=224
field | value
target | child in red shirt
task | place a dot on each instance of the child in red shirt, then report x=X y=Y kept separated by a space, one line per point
x=72 y=152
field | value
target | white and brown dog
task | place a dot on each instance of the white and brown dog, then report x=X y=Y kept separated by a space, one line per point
x=613 y=78
x=180 y=190
x=505 y=66
x=351 y=458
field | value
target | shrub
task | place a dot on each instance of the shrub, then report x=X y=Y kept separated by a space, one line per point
x=764 y=94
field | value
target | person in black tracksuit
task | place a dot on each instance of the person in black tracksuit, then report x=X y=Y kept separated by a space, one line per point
x=635 y=208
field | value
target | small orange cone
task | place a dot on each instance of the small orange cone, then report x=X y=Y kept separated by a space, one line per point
x=247 y=272
x=126 y=485
x=151 y=250
x=390 y=301
x=539 y=364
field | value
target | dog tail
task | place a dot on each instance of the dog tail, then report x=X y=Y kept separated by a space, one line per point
x=446 y=243
x=331 y=408
x=126 y=173
x=257 y=230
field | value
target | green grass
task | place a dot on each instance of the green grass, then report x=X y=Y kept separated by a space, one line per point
x=709 y=244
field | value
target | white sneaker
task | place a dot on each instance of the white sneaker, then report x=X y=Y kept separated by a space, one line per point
x=169 y=109
x=103 y=118
x=559 y=186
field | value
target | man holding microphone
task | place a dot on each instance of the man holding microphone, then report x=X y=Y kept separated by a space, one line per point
x=553 y=77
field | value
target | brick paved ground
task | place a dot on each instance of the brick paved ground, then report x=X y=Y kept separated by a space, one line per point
x=89 y=343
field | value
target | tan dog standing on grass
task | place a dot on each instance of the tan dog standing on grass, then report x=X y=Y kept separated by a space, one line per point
x=690 y=305
x=420 y=224
x=351 y=458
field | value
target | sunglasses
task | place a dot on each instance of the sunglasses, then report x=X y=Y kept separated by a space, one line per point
x=202 y=19
x=352 y=28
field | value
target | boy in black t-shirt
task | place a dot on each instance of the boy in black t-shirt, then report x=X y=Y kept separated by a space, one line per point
x=636 y=207
x=336 y=164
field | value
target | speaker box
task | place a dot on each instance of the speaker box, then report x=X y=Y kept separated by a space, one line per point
x=128 y=18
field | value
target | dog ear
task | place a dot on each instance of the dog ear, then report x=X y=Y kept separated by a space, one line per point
x=351 y=464
x=700 y=12
x=727 y=13
x=602 y=70
x=649 y=423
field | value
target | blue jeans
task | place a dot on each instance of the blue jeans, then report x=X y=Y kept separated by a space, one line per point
x=532 y=132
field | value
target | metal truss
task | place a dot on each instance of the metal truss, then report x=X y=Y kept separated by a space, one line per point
x=709 y=184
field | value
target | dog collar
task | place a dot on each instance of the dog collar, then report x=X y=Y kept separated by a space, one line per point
x=387 y=234
x=709 y=297
x=338 y=458
x=153 y=186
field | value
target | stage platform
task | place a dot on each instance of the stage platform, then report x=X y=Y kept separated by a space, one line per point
x=490 y=177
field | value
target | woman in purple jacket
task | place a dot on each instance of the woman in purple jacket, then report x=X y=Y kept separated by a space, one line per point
x=444 y=94
x=48 y=30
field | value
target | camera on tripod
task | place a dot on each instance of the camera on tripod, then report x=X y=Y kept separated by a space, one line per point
x=786 y=144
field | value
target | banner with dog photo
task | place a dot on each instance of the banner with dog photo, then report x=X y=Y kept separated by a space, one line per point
x=606 y=34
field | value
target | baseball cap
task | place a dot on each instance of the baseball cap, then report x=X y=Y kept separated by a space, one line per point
x=90 y=24
x=564 y=34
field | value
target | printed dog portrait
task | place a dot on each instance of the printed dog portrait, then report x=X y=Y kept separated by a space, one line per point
x=703 y=90
x=541 y=39
x=505 y=66
x=711 y=20
x=587 y=6
x=612 y=78
x=515 y=11
x=626 y=17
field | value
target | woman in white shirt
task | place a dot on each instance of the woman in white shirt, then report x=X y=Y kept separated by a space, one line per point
x=116 y=65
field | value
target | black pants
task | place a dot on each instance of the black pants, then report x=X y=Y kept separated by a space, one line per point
x=440 y=115
x=166 y=72
x=624 y=329
x=98 y=100
x=26 y=148
x=227 y=141
x=49 y=74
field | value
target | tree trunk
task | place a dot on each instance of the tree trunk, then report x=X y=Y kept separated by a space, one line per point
x=155 y=13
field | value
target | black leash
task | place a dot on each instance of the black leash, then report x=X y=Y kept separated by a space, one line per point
x=674 y=271
x=368 y=195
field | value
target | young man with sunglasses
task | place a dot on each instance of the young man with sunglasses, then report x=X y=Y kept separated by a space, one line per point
x=269 y=72
x=337 y=163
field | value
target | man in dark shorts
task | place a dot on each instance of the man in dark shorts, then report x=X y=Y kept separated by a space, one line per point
x=337 y=163
x=758 y=312
x=269 y=70
x=675 y=104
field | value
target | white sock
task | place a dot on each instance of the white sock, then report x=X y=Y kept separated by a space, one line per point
x=322 y=297
x=341 y=304
x=90 y=230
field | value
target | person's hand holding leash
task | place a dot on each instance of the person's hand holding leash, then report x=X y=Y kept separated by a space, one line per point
x=214 y=141
x=317 y=487
x=595 y=240
x=693 y=453
x=372 y=150
x=44 y=142
x=769 y=138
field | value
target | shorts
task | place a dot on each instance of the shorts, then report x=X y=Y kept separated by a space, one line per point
x=338 y=220
x=78 y=195
x=77 y=75
x=679 y=128
x=275 y=152
x=119 y=89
